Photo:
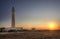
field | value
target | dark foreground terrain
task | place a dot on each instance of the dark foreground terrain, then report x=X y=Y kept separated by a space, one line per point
x=32 y=35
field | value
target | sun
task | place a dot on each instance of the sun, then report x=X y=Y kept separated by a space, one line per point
x=51 y=26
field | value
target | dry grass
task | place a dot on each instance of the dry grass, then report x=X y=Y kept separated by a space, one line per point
x=31 y=35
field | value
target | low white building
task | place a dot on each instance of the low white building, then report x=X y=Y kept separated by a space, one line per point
x=7 y=29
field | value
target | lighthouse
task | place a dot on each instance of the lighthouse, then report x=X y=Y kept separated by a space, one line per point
x=13 y=17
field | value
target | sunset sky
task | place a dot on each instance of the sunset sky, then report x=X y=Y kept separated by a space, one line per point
x=30 y=13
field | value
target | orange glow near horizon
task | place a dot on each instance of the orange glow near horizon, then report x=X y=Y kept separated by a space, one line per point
x=43 y=26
